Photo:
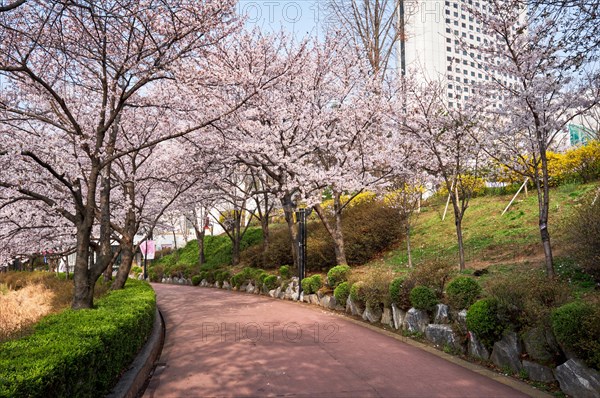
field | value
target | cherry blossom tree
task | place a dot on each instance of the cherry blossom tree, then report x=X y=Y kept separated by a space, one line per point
x=268 y=128
x=537 y=85
x=70 y=69
x=350 y=140
x=445 y=139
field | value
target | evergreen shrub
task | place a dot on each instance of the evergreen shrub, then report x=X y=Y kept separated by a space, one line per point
x=337 y=275
x=462 y=292
x=423 y=298
x=341 y=293
x=482 y=319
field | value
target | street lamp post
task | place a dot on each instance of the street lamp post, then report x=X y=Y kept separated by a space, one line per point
x=301 y=217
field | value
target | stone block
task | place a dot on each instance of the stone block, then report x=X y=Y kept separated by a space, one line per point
x=577 y=380
x=537 y=372
x=442 y=315
x=372 y=315
x=443 y=336
x=506 y=353
x=416 y=321
x=476 y=348
x=398 y=316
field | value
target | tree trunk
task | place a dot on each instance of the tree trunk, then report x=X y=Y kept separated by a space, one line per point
x=335 y=231
x=544 y=207
x=236 y=239
x=200 y=233
x=459 y=235
x=126 y=262
x=408 y=252
x=126 y=242
x=264 y=224
x=288 y=212
x=83 y=295
x=458 y=217
x=340 y=250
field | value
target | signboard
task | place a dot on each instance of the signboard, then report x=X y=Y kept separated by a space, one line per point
x=148 y=249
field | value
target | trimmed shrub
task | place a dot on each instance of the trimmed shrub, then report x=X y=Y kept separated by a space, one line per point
x=312 y=284
x=341 y=293
x=196 y=279
x=285 y=272
x=399 y=292
x=423 y=298
x=395 y=289
x=576 y=326
x=462 y=292
x=102 y=342
x=337 y=275
x=357 y=293
x=270 y=282
x=238 y=279
x=482 y=319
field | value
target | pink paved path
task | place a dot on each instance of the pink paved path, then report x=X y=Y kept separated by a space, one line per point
x=220 y=343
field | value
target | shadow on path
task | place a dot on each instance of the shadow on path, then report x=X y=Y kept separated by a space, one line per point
x=220 y=343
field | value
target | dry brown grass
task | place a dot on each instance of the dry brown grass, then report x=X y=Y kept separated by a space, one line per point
x=20 y=309
x=26 y=297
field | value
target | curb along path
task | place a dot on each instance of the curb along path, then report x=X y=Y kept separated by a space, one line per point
x=220 y=343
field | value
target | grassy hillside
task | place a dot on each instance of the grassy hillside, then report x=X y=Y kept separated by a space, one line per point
x=490 y=238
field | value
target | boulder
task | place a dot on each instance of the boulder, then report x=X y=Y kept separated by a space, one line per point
x=461 y=320
x=226 y=285
x=398 y=316
x=272 y=293
x=328 y=302
x=250 y=288
x=541 y=346
x=277 y=292
x=204 y=283
x=476 y=348
x=442 y=314
x=164 y=280
x=294 y=282
x=295 y=296
x=386 y=317
x=313 y=299
x=577 y=380
x=507 y=353
x=537 y=372
x=443 y=336
x=288 y=293
x=244 y=287
x=353 y=308
x=281 y=294
x=372 y=314
x=416 y=321
x=217 y=285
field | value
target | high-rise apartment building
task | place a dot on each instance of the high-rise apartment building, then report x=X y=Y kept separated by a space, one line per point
x=440 y=37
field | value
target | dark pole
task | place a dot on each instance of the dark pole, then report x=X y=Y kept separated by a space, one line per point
x=145 y=260
x=301 y=216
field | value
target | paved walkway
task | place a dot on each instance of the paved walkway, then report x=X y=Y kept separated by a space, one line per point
x=221 y=343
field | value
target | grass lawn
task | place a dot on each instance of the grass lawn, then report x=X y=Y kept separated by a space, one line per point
x=491 y=239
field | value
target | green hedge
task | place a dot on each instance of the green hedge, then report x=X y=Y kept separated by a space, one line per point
x=79 y=353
